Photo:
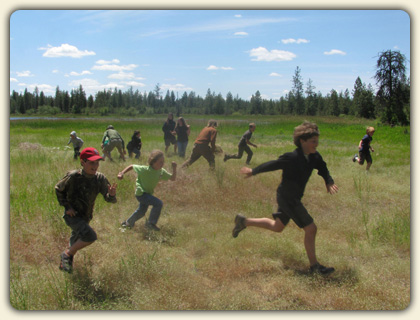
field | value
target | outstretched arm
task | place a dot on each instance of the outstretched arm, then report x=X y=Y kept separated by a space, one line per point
x=121 y=174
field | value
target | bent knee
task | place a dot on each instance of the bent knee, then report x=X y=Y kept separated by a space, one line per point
x=278 y=226
x=312 y=228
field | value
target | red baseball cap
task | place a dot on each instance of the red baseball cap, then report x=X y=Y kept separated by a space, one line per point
x=90 y=154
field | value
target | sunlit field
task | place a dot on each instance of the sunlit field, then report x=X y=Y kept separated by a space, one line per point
x=194 y=263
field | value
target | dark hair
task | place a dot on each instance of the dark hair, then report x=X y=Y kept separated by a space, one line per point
x=212 y=123
x=136 y=132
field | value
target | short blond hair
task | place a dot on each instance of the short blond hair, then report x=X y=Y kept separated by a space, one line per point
x=154 y=156
x=370 y=129
x=305 y=131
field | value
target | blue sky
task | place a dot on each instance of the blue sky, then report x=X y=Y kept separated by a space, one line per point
x=237 y=51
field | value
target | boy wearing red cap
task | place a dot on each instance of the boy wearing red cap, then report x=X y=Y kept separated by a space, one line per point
x=77 y=192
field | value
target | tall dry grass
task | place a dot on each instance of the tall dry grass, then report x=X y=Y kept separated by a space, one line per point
x=193 y=263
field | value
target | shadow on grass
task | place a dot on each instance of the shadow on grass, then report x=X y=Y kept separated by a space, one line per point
x=165 y=236
x=93 y=293
x=340 y=277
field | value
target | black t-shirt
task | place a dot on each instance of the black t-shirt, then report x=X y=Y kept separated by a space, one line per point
x=296 y=172
x=246 y=136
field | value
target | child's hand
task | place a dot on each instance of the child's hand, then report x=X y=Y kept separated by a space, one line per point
x=247 y=172
x=332 y=188
x=120 y=176
x=112 y=190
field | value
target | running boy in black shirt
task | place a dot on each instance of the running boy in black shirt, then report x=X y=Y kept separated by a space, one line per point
x=243 y=146
x=297 y=167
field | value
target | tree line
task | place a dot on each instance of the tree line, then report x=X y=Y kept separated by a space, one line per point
x=390 y=103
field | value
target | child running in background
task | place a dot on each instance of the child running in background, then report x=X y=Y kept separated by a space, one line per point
x=204 y=145
x=169 y=133
x=364 y=149
x=297 y=167
x=77 y=144
x=243 y=146
x=182 y=130
x=147 y=179
x=114 y=141
x=77 y=193
x=134 y=146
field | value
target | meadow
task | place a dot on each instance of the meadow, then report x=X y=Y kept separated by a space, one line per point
x=194 y=263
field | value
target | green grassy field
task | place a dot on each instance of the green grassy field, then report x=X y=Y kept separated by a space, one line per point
x=193 y=263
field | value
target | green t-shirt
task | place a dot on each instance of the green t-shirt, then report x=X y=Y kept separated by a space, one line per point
x=148 y=178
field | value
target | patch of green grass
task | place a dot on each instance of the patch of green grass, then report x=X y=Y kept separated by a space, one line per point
x=193 y=263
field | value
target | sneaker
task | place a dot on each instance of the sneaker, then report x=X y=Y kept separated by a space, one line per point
x=354 y=158
x=239 y=225
x=319 y=268
x=66 y=263
x=152 y=226
x=124 y=224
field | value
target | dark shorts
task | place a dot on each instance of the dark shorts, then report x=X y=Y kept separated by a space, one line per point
x=170 y=140
x=365 y=156
x=80 y=229
x=292 y=210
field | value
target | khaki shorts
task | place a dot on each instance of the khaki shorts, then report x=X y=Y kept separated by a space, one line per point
x=114 y=143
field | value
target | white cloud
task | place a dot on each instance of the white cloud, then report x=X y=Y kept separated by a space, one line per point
x=335 y=51
x=24 y=74
x=13 y=80
x=175 y=87
x=92 y=85
x=107 y=62
x=124 y=76
x=213 y=67
x=114 y=67
x=238 y=16
x=65 y=50
x=85 y=72
x=134 y=84
x=298 y=41
x=262 y=54
x=275 y=74
x=46 y=88
x=241 y=33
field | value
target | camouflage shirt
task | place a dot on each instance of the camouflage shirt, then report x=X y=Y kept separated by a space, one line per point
x=78 y=190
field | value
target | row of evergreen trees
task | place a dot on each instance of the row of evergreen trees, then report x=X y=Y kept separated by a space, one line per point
x=391 y=103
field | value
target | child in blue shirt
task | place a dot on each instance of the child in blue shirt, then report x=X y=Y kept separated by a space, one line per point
x=364 y=149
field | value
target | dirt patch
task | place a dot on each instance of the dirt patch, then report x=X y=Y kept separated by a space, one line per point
x=29 y=146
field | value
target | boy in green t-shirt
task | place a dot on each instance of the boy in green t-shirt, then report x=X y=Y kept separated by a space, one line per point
x=147 y=179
